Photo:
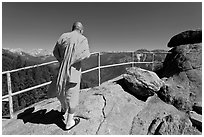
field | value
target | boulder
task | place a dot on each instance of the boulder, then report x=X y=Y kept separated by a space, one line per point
x=186 y=37
x=107 y=110
x=177 y=95
x=159 y=118
x=141 y=82
x=182 y=58
x=183 y=74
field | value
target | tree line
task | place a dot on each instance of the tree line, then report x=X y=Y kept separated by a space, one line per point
x=24 y=79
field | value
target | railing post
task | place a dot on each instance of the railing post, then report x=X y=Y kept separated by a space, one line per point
x=133 y=59
x=153 y=62
x=99 y=69
x=10 y=95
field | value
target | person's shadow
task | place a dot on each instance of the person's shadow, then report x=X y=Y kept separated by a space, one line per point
x=42 y=117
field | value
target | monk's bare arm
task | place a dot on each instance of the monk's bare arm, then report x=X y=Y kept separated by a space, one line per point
x=56 y=52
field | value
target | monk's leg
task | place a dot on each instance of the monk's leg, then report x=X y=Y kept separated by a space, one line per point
x=73 y=99
x=63 y=102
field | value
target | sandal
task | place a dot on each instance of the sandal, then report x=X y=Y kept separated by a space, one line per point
x=76 y=120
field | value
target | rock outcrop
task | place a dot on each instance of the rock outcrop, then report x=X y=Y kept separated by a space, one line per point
x=141 y=83
x=182 y=58
x=176 y=94
x=186 y=37
x=182 y=72
x=107 y=110
x=159 y=118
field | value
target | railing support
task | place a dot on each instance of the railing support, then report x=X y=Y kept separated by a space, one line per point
x=153 y=62
x=99 y=69
x=10 y=94
x=133 y=59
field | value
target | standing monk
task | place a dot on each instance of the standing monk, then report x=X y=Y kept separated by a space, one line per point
x=70 y=50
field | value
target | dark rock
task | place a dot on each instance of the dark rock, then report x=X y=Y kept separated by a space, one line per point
x=182 y=74
x=182 y=58
x=197 y=107
x=186 y=37
x=142 y=82
x=177 y=95
x=157 y=66
x=183 y=84
x=159 y=118
x=196 y=120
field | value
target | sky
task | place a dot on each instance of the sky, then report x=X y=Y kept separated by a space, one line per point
x=116 y=26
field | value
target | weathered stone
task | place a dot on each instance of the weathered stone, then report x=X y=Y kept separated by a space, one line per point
x=182 y=58
x=182 y=73
x=142 y=82
x=108 y=110
x=186 y=37
x=183 y=84
x=160 y=118
x=176 y=94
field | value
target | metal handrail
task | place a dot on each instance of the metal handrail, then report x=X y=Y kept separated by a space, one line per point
x=10 y=94
x=37 y=65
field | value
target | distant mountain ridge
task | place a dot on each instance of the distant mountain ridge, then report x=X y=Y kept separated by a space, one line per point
x=40 y=52
x=37 y=55
x=44 y=52
x=34 y=52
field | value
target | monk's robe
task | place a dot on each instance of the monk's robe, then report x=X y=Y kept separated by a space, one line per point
x=70 y=49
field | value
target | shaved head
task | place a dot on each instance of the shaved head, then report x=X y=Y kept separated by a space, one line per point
x=77 y=26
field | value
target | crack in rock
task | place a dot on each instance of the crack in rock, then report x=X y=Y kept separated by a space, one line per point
x=103 y=112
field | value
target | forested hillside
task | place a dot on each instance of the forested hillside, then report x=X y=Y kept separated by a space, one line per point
x=24 y=79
